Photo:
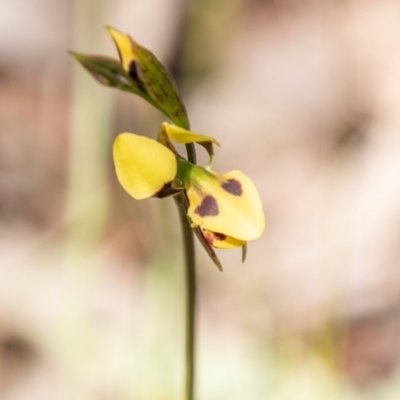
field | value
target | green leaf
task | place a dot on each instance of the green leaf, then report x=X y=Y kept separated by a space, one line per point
x=143 y=67
x=109 y=72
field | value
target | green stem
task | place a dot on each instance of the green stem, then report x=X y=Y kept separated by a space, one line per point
x=190 y=314
x=190 y=280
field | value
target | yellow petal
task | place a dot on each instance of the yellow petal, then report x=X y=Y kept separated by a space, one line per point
x=221 y=241
x=180 y=135
x=143 y=166
x=228 y=204
x=124 y=45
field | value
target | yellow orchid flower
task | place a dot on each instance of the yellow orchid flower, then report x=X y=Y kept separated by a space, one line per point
x=227 y=207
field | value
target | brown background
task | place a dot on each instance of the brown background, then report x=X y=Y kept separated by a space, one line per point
x=304 y=97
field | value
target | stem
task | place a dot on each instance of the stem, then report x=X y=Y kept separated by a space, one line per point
x=190 y=279
x=190 y=312
x=191 y=152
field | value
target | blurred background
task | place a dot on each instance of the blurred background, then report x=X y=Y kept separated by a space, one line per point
x=304 y=97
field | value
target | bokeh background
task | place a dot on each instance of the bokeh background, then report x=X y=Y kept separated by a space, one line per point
x=304 y=96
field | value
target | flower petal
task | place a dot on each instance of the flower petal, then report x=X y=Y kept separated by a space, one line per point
x=221 y=241
x=228 y=204
x=124 y=46
x=143 y=166
x=180 y=135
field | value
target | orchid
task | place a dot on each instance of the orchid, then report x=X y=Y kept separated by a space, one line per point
x=224 y=211
x=226 y=207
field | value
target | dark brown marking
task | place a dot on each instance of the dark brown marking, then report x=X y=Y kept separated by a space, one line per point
x=133 y=71
x=177 y=114
x=165 y=191
x=134 y=74
x=159 y=97
x=233 y=186
x=211 y=237
x=207 y=208
x=219 y=236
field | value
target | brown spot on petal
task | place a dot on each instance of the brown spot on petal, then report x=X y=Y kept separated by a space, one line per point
x=207 y=208
x=165 y=191
x=219 y=236
x=211 y=237
x=233 y=186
